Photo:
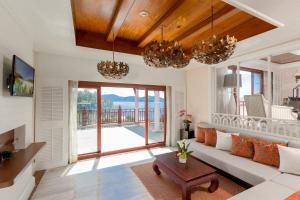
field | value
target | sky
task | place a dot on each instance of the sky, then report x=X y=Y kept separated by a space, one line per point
x=25 y=71
x=246 y=83
x=124 y=92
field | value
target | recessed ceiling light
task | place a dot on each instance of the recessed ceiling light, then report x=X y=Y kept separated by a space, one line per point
x=144 y=13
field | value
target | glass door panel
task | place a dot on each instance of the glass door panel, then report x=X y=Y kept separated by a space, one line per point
x=87 y=133
x=257 y=83
x=156 y=116
x=245 y=89
x=122 y=118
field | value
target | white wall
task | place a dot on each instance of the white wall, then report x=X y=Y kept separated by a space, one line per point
x=15 y=111
x=199 y=98
x=56 y=70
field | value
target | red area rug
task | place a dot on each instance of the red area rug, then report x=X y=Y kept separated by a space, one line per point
x=163 y=188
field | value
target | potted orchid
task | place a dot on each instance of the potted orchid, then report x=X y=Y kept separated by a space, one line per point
x=183 y=151
x=187 y=119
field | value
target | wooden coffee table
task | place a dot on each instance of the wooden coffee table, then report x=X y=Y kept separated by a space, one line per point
x=188 y=175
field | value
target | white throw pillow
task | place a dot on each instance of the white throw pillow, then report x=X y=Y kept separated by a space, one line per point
x=289 y=160
x=224 y=141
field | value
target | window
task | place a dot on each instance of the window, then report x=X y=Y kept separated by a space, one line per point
x=252 y=82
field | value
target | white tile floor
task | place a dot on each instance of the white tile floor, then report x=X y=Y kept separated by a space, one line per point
x=106 y=178
x=113 y=138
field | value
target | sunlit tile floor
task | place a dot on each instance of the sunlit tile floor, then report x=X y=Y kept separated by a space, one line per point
x=113 y=138
x=106 y=178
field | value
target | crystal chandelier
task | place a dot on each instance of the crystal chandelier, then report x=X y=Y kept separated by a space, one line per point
x=112 y=69
x=215 y=49
x=163 y=54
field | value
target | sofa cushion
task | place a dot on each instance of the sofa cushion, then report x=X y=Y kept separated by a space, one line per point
x=294 y=196
x=288 y=180
x=264 y=191
x=266 y=152
x=242 y=168
x=200 y=134
x=289 y=160
x=224 y=141
x=210 y=137
x=242 y=146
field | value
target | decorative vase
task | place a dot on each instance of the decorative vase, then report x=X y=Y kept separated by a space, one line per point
x=187 y=127
x=182 y=159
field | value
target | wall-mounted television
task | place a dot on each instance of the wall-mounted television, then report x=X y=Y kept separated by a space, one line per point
x=21 y=81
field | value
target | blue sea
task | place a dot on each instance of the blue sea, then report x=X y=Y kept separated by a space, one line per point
x=129 y=105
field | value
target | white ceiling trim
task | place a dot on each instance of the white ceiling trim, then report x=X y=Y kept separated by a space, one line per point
x=272 y=50
x=290 y=65
x=254 y=12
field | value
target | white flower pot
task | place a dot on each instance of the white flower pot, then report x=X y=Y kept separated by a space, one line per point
x=181 y=160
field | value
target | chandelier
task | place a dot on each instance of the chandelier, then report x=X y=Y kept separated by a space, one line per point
x=215 y=49
x=112 y=69
x=163 y=54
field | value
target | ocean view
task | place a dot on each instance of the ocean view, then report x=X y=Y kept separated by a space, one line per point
x=130 y=105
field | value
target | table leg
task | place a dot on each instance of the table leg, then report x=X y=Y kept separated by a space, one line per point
x=186 y=193
x=155 y=168
x=214 y=184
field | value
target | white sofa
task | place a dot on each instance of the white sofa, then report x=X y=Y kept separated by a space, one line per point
x=268 y=182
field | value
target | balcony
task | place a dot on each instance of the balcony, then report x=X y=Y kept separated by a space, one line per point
x=117 y=125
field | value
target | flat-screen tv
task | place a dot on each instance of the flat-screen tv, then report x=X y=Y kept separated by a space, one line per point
x=22 y=78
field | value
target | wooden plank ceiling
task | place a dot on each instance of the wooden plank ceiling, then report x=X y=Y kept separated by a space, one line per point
x=285 y=58
x=98 y=22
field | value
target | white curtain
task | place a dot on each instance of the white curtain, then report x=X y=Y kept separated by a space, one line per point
x=169 y=116
x=222 y=93
x=73 y=93
x=277 y=99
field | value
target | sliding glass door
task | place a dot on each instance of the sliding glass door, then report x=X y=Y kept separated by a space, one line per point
x=156 y=116
x=115 y=117
x=87 y=117
x=122 y=118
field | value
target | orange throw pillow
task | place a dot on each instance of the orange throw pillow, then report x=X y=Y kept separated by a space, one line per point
x=242 y=146
x=200 y=134
x=210 y=137
x=266 y=152
x=295 y=196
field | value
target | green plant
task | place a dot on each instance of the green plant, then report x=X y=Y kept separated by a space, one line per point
x=187 y=121
x=183 y=149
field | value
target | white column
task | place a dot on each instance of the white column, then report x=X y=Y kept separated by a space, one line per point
x=269 y=88
x=156 y=111
x=136 y=105
x=215 y=90
x=238 y=89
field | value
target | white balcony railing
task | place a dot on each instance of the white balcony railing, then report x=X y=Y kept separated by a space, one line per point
x=280 y=127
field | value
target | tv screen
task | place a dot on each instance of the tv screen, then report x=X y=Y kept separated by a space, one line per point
x=23 y=78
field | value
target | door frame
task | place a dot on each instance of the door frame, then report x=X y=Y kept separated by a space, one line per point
x=98 y=85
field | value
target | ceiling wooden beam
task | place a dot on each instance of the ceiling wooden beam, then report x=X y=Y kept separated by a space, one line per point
x=205 y=26
x=159 y=22
x=246 y=29
x=122 y=9
x=98 y=41
x=219 y=16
